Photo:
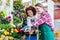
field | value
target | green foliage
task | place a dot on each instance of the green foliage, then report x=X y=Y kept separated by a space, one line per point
x=17 y=18
x=2 y=13
x=15 y=35
x=18 y=5
x=4 y=21
x=5 y=26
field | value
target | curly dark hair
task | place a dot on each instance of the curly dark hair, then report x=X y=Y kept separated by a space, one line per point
x=32 y=9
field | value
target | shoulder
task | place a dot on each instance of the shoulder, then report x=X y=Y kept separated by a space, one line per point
x=45 y=13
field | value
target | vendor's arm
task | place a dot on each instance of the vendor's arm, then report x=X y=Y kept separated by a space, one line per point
x=41 y=20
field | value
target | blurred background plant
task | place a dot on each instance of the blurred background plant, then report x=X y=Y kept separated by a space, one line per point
x=18 y=15
x=3 y=19
x=18 y=6
x=18 y=18
x=13 y=32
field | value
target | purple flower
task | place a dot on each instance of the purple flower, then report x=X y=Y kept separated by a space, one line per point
x=12 y=12
x=21 y=16
x=18 y=12
x=8 y=18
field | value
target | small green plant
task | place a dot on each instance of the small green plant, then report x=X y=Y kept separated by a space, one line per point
x=5 y=26
x=18 y=5
x=4 y=20
x=2 y=13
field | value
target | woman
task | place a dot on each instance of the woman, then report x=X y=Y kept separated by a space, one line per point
x=30 y=12
x=44 y=22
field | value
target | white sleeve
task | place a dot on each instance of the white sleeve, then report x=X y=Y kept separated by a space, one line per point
x=29 y=22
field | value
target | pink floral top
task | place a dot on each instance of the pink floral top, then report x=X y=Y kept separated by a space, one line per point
x=45 y=18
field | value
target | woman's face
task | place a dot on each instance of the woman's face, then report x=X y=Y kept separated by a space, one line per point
x=30 y=13
x=39 y=9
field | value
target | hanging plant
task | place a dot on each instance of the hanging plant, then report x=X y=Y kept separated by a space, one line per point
x=17 y=18
x=18 y=5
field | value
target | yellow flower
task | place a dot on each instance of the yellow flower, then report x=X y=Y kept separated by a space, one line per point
x=6 y=32
x=16 y=30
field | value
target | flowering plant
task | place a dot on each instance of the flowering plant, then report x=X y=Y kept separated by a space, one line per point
x=18 y=5
x=4 y=19
x=18 y=18
x=14 y=32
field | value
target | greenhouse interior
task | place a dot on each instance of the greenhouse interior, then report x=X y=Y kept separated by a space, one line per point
x=13 y=14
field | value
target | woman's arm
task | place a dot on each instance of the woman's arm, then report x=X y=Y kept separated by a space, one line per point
x=41 y=20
